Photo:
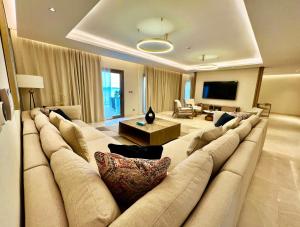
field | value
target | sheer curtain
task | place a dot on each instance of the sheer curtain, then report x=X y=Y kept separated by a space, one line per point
x=71 y=77
x=163 y=87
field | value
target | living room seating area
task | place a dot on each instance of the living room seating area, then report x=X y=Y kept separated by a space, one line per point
x=205 y=188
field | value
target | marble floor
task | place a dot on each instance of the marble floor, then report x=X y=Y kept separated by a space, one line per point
x=273 y=198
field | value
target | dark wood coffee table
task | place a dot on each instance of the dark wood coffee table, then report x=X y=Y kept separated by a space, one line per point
x=158 y=133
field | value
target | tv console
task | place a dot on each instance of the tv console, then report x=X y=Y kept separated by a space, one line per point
x=214 y=107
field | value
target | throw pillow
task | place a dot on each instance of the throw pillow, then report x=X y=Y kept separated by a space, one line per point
x=74 y=137
x=203 y=138
x=233 y=123
x=128 y=179
x=223 y=119
x=55 y=119
x=242 y=115
x=61 y=113
x=134 y=151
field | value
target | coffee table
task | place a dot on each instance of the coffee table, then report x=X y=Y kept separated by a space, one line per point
x=158 y=133
x=209 y=115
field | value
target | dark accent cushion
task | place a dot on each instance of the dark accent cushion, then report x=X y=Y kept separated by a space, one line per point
x=61 y=113
x=224 y=119
x=134 y=151
x=128 y=179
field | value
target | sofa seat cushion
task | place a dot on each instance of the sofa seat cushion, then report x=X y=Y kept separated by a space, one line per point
x=221 y=149
x=33 y=154
x=88 y=202
x=40 y=120
x=128 y=179
x=26 y=115
x=51 y=140
x=99 y=145
x=29 y=127
x=44 y=206
x=217 y=206
x=243 y=130
x=73 y=135
x=203 y=138
x=176 y=150
x=170 y=203
x=90 y=133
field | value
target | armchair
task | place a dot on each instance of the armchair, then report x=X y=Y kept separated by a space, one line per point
x=191 y=103
x=180 y=111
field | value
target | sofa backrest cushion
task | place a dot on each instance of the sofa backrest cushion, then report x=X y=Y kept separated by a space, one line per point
x=26 y=115
x=243 y=130
x=73 y=136
x=51 y=140
x=35 y=112
x=254 y=119
x=88 y=202
x=203 y=138
x=29 y=127
x=40 y=120
x=170 y=203
x=221 y=149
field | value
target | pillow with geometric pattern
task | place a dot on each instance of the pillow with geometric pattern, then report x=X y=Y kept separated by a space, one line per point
x=128 y=179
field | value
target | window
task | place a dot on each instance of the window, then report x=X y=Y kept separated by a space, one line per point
x=187 y=89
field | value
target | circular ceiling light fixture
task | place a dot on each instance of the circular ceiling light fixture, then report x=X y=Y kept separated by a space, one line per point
x=155 y=46
x=207 y=66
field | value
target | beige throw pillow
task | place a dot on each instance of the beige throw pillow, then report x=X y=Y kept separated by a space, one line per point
x=203 y=138
x=73 y=136
x=55 y=119
x=254 y=119
x=35 y=112
x=87 y=200
x=231 y=124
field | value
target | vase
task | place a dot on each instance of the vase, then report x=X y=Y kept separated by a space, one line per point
x=150 y=116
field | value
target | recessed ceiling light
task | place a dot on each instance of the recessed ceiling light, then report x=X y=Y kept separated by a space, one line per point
x=52 y=9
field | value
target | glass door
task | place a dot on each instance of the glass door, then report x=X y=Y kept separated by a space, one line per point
x=113 y=93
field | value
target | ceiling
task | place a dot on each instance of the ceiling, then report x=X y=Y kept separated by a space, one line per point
x=109 y=28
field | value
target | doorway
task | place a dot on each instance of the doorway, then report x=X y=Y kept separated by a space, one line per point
x=113 y=93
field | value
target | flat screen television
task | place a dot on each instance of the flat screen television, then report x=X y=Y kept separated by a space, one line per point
x=220 y=90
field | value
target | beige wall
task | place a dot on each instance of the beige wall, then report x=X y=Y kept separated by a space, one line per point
x=133 y=75
x=283 y=92
x=10 y=150
x=247 y=79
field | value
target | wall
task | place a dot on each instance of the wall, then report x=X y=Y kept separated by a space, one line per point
x=10 y=149
x=133 y=76
x=283 y=92
x=247 y=79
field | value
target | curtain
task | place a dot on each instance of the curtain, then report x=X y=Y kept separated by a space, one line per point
x=163 y=87
x=71 y=77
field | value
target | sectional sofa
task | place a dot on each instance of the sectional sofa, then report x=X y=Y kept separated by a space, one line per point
x=206 y=189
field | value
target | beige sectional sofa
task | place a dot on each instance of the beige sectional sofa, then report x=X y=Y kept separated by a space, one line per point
x=205 y=189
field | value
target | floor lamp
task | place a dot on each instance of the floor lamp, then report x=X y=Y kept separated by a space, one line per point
x=32 y=82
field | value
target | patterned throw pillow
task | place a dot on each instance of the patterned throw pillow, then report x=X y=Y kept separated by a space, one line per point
x=242 y=115
x=128 y=179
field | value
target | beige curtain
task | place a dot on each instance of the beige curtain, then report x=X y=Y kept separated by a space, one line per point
x=163 y=87
x=71 y=77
